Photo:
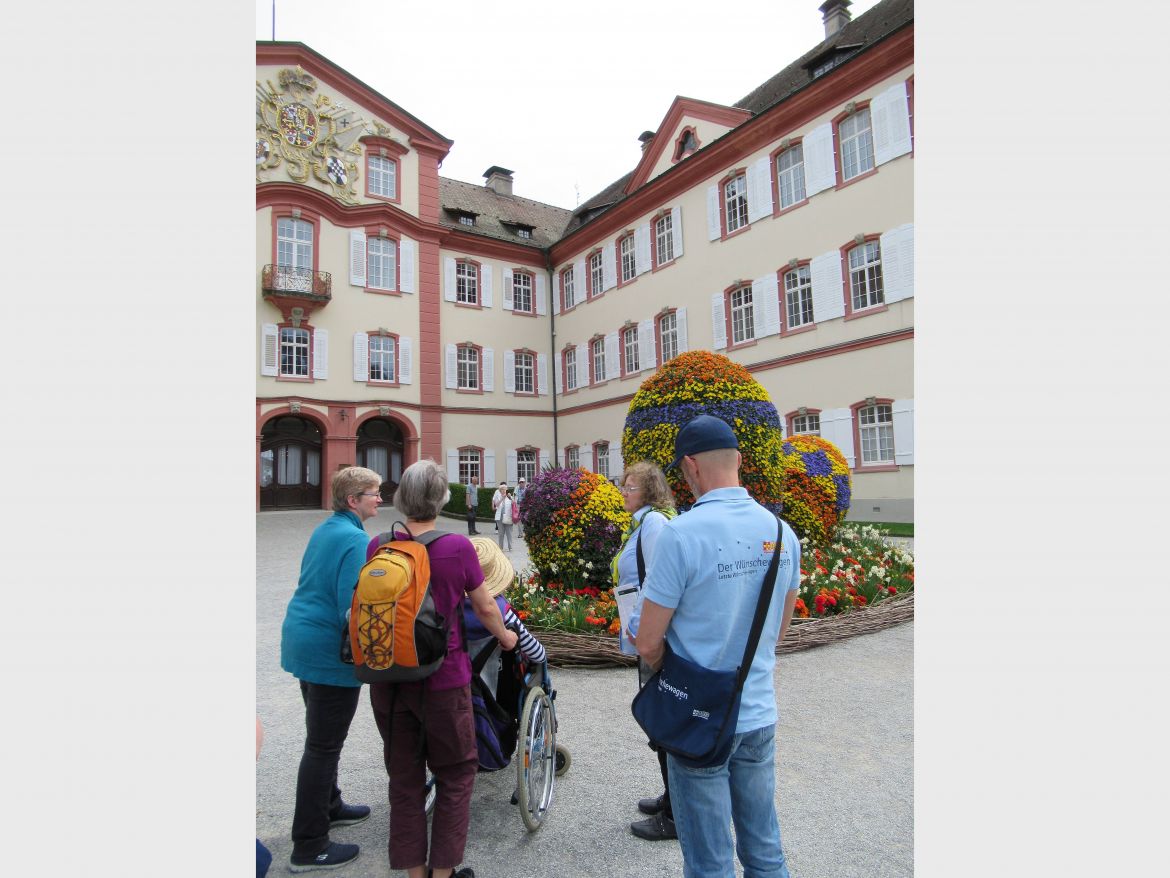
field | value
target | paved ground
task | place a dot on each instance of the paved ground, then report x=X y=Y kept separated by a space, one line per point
x=844 y=756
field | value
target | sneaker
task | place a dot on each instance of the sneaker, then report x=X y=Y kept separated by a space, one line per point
x=333 y=857
x=467 y=872
x=656 y=828
x=651 y=806
x=349 y=815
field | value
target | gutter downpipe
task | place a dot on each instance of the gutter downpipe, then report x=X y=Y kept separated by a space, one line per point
x=552 y=339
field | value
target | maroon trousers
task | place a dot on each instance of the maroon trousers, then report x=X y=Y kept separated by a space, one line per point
x=442 y=723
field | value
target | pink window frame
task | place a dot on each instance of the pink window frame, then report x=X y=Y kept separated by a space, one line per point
x=732 y=345
x=479 y=368
x=654 y=263
x=377 y=333
x=858 y=106
x=516 y=272
x=785 y=329
x=535 y=391
x=658 y=333
x=565 y=389
x=722 y=186
x=794 y=414
x=561 y=289
x=592 y=360
x=793 y=142
x=591 y=293
x=478 y=303
x=376 y=232
x=295 y=379
x=847 y=287
x=628 y=235
x=855 y=412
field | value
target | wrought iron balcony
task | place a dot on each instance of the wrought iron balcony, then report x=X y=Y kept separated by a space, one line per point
x=300 y=283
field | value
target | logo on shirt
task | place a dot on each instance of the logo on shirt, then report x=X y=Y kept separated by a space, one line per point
x=769 y=545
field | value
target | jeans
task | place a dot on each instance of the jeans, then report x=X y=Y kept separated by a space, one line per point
x=741 y=790
x=328 y=713
x=471 y=529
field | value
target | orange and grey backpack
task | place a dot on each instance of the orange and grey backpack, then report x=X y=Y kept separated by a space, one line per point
x=395 y=633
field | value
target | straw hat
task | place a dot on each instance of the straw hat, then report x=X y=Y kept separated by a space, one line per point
x=498 y=572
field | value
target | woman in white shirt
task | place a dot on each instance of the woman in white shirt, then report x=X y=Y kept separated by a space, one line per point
x=502 y=503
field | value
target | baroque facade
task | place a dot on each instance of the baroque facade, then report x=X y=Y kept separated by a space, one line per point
x=403 y=315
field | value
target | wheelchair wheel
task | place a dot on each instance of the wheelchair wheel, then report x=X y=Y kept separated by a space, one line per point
x=431 y=792
x=536 y=758
x=563 y=761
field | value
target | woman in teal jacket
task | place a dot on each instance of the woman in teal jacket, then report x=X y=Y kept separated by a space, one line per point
x=310 y=644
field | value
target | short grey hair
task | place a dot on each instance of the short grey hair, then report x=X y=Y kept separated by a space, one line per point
x=422 y=491
x=350 y=481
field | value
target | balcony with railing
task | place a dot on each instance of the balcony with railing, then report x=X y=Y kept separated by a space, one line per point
x=287 y=282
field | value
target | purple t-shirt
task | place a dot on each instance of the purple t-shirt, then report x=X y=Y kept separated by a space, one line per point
x=455 y=571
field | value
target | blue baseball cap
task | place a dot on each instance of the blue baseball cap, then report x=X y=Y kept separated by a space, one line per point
x=702 y=433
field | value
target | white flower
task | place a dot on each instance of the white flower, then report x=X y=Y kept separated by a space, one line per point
x=580 y=561
x=588 y=565
x=552 y=567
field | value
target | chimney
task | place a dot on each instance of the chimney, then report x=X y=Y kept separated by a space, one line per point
x=836 y=15
x=499 y=180
x=646 y=137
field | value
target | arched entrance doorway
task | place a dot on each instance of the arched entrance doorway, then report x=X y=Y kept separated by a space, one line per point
x=379 y=447
x=290 y=464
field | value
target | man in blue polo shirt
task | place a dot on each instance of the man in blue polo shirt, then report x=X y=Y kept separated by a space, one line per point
x=700 y=596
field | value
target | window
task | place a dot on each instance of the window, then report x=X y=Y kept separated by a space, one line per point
x=629 y=268
x=856 y=144
x=735 y=203
x=526 y=465
x=567 y=293
x=382 y=358
x=668 y=336
x=294 y=352
x=601 y=455
x=798 y=297
x=630 y=350
x=525 y=369
x=466 y=219
x=596 y=275
x=790 y=176
x=571 y=369
x=294 y=243
x=686 y=143
x=383 y=177
x=664 y=238
x=598 y=349
x=469 y=465
x=381 y=264
x=742 y=323
x=467 y=283
x=524 y=233
x=865 y=275
x=468 y=371
x=522 y=292
x=572 y=457
x=875 y=424
x=809 y=424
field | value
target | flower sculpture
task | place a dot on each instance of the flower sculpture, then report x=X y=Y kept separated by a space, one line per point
x=703 y=383
x=816 y=487
x=573 y=522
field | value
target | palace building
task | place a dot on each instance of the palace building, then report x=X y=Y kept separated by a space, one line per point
x=403 y=315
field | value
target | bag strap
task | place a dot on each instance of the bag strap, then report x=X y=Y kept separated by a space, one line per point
x=761 y=608
x=641 y=560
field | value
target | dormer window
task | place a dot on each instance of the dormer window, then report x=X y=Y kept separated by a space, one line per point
x=524 y=233
x=466 y=219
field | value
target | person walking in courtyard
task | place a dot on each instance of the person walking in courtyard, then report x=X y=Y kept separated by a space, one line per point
x=503 y=502
x=700 y=597
x=472 y=504
x=498 y=498
x=649 y=501
x=310 y=642
x=429 y=723
x=521 y=489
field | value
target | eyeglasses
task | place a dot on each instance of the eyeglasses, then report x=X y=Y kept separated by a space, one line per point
x=374 y=494
x=630 y=489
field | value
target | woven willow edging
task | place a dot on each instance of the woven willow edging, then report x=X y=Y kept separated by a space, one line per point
x=567 y=650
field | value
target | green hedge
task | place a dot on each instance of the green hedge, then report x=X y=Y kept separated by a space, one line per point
x=458 y=503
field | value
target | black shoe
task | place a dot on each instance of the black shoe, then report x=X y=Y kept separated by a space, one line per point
x=349 y=815
x=466 y=872
x=333 y=857
x=656 y=828
x=651 y=806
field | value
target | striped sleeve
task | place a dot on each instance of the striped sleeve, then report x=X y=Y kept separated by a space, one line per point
x=532 y=648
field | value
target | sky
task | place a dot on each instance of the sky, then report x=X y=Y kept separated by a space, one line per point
x=519 y=84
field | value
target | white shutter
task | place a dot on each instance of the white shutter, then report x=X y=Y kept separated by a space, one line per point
x=713 y=213
x=718 y=322
x=361 y=357
x=897 y=247
x=541 y=295
x=542 y=374
x=680 y=317
x=357 y=257
x=449 y=282
x=642 y=249
x=406 y=250
x=489 y=468
x=452 y=465
x=579 y=280
x=557 y=376
x=558 y=292
x=759 y=189
x=613 y=366
x=452 y=368
x=646 y=345
x=405 y=360
x=562 y=457
x=489 y=370
x=510 y=467
x=837 y=427
x=820 y=167
x=269 y=349
x=585 y=456
x=608 y=266
x=766 y=299
x=509 y=372
x=903 y=413
x=828 y=289
x=509 y=302
x=485 y=285
x=582 y=366
x=616 y=466
x=543 y=460
x=890 y=115
x=321 y=353
x=676 y=230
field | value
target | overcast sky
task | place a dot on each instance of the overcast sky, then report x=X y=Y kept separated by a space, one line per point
x=557 y=92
